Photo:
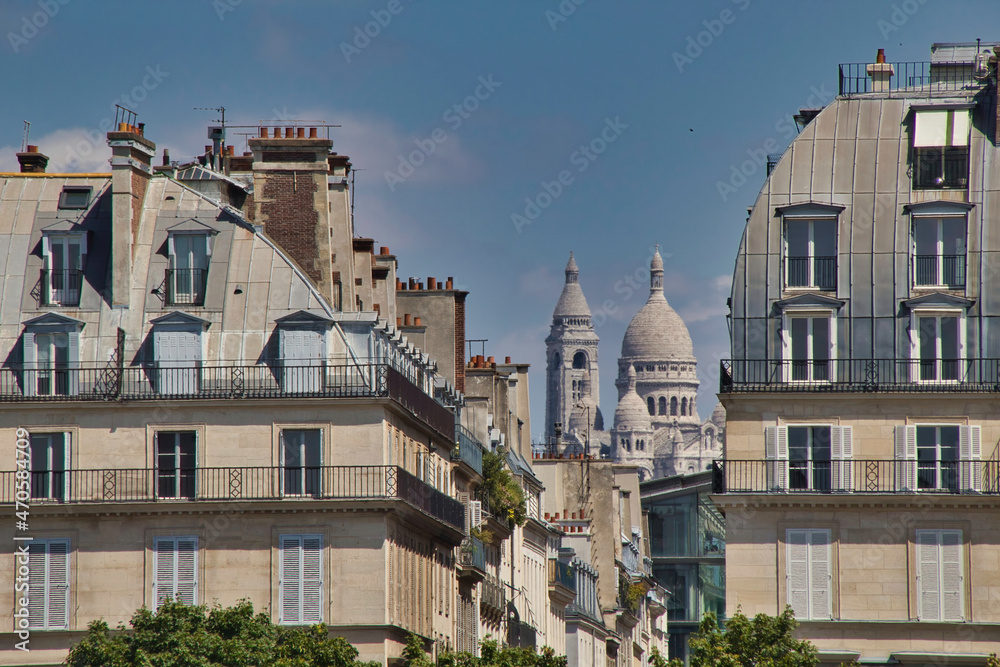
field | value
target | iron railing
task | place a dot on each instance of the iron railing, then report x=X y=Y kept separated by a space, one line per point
x=859 y=375
x=911 y=78
x=469 y=450
x=940 y=167
x=562 y=574
x=472 y=554
x=186 y=287
x=251 y=483
x=856 y=476
x=493 y=596
x=823 y=269
x=946 y=270
x=61 y=287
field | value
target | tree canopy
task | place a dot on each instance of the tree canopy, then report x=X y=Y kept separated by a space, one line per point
x=491 y=655
x=763 y=641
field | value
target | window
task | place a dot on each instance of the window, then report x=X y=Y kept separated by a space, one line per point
x=650 y=406
x=175 y=464
x=684 y=407
x=939 y=575
x=938 y=346
x=302 y=348
x=300 y=579
x=177 y=349
x=662 y=405
x=808 y=347
x=811 y=253
x=48 y=573
x=673 y=406
x=809 y=573
x=62 y=275
x=580 y=360
x=809 y=458
x=941 y=149
x=938 y=457
x=75 y=197
x=48 y=466
x=301 y=460
x=175 y=570
x=51 y=350
x=939 y=252
x=188 y=272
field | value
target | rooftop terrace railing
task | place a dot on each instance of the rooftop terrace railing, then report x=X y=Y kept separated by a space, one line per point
x=233 y=484
x=911 y=78
x=859 y=375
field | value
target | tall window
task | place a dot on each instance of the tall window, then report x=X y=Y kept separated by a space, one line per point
x=809 y=458
x=937 y=457
x=48 y=465
x=662 y=405
x=175 y=464
x=300 y=579
x=301 y=461
x=939 y=347
x=48 y=574
x=940 y=595
x=52 y=359
x=939 y=252
x=188 y=272
x=175 y=570
x=62 y=276
x=808 y=346
x=941 y=149
x=809 y=573
x=811 y=253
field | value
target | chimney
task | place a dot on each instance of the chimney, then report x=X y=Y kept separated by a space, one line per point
x=881 y=73
x=33 y=162
x=431 y=283
x=131 y=170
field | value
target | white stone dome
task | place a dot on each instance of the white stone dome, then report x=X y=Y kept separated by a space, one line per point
x=657 y=332
x=631 y=413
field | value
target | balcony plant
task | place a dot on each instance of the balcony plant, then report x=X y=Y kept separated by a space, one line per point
x=501 y=491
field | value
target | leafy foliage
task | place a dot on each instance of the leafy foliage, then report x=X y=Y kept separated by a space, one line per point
x=657 y=659
x=503 y=494
x=492 y=655
x=763 y=640
x=180 y=635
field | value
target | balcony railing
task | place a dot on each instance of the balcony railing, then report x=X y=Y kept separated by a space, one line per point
x=562 y=574
x=911 y=78
x=472 y=554
x=61 y=287
x=940 y=270
x=493 y=596
x=469 y=450
x=860 y=375
x=856 y=476
x=186 y=287
x=139 y=485
x=823 y=270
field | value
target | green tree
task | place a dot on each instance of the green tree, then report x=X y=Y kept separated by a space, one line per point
x=503 y=494
x=491 y=655
x=764 y=641
x=180 y=635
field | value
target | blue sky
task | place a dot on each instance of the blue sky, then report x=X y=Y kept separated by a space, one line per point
x=677 y=97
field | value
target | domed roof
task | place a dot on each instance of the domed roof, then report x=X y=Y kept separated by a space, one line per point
x=631 y=413
x=657 y=331
x=719 y=415
x=572 y=303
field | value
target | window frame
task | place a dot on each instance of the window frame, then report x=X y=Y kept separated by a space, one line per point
x=811 y=256
x=916 y=362
x=66 y=297
x=931 y=140
x=302 y=580
x=960 y=561
x=304 y=477
x=47 y=593
x=70 y=190
x=195 y=294
x=51 y=479
x=787 y=365
x=939 y=255
x=155 y=570
x=812 y=587
x=177 y=475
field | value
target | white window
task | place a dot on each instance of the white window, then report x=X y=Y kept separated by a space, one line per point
x=940 y=595
x=938 y=346
x=303 y=352
x=188 y=273
x=175 y=570
x=62 y=275
x=301 y=460
x=48 y=595
x=939 y=252
x=809 y=458
x=809 y=576
x=51 y=348
x=300 y=579
x=48 y=465
x=177 y=350
x=941 y=148
x=811 y=253
x=175 y=464
x=809 y=342
x=938 y=457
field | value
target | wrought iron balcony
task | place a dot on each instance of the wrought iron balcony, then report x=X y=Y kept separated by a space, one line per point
x=61 y=287
x=469 y=449
x=911 y=79
x=563 y=575
x=472 y=558
x=234 y=484
x=816 y=272
x=859 y=375
x=940 y=270
x=856 y=476
x=493 y=598
x=185 y=287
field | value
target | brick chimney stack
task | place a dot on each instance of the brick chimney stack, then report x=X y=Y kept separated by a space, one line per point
x=131 y=170
x=33 y=162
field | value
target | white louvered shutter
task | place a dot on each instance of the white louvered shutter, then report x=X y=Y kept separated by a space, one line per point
x=905 y=445
x=970 y=451
x=175 y=570
x=301 y=579
x=37 y=571
x=952 y=605
x=290 y=579
x=776 y=453
x=187 y=570
x=29 y=355
x=819 y=575
x=928 y=575
x=57 y=585
x=312 y=579
x=847 y=457
x=476 y=510
x=797 y=577
x=164 y=570
x=836 y=457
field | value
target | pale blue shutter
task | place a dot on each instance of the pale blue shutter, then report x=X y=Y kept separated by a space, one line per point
x=28 y=351
x=290 y=580
x=312 y=579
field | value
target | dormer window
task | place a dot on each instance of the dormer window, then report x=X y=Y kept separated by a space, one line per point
x=939 y=252
x=75 y=197
x=941 y=148
x=63 y=256
x=302 y=348
x=51 y=352
x=811 y=253
x=187 y=276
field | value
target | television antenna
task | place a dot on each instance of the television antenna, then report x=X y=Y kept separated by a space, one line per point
x=24 y=141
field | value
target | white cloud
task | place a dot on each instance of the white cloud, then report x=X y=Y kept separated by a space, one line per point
x=71 y=150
